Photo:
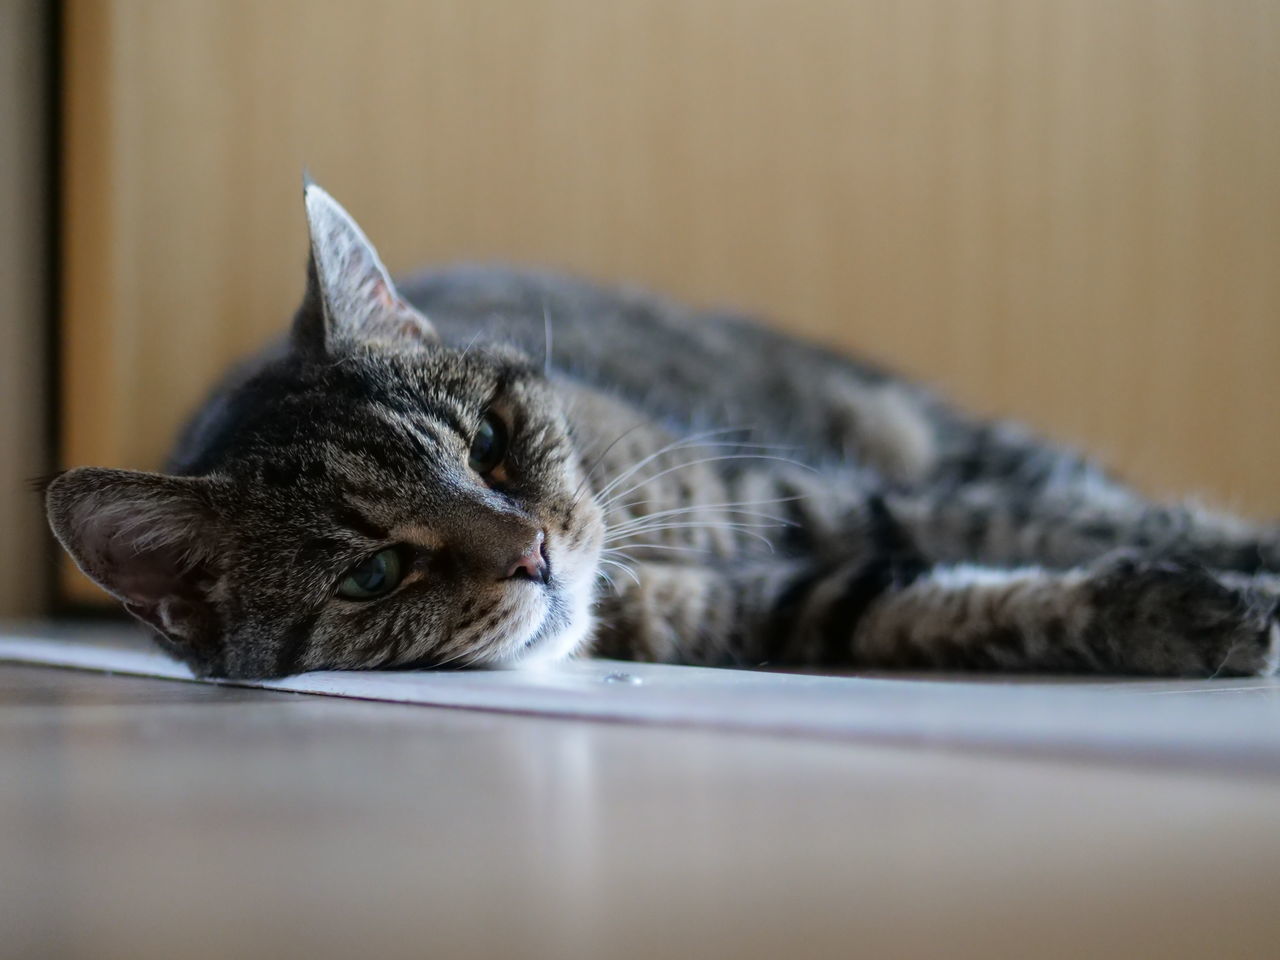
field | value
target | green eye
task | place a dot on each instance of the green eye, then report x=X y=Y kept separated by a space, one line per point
x=489 y=445
x=373 y=577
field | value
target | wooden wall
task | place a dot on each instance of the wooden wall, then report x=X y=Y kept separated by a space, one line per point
x=1067 y=210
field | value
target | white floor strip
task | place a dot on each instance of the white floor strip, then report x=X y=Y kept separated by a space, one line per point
x=1106 y=719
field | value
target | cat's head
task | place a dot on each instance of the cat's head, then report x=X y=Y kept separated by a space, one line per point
x=370 y=498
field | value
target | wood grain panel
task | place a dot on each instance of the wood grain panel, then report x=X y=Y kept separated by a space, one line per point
x=1067 y=211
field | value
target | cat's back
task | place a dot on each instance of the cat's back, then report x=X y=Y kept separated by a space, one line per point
x=697 y=367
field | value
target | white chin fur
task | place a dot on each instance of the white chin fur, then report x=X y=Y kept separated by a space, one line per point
x=555 y=648
x=565 y=643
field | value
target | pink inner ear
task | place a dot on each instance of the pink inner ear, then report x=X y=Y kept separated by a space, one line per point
x=410 y=329
x=138 y=536
x=407 y=326
x=144 y=573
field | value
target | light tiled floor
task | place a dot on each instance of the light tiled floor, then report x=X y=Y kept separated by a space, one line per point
x=147 y=818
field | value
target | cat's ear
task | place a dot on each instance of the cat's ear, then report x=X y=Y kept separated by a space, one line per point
x=350 y=296
x=145 y=538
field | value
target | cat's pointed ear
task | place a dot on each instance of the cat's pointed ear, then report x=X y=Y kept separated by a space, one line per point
x=145 y=538
x=350 y=296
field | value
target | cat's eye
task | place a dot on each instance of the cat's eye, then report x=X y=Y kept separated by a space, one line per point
x=373 y=577
x=489 y=445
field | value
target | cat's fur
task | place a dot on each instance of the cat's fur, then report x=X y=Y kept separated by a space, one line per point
x=710 y=492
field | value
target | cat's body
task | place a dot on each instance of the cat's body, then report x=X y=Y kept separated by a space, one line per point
x=679 y=486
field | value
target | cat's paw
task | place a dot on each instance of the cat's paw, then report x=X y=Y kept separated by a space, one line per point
x=1170 y=617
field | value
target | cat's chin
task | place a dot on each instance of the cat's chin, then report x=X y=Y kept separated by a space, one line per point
x=555 y=647
x=561 y=634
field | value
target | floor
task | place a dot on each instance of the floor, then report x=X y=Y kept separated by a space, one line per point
x=150 y=818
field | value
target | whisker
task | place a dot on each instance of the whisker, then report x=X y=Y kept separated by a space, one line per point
x=473 y=657
x=623 y=533
x=654 y=546
x=577 y=494
x=693 y=513
x=701 y=460
x=733 y=506
x=447 y=660
x=757 y=519
x=456 y=643
x=661 y=546
x=691 y=440
x=712 y=516
x=623 y=567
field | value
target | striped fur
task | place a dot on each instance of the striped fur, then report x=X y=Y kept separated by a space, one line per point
x=711 y=492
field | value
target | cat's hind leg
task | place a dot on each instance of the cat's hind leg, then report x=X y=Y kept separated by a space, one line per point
x=1002 y=496
x=1062 y=525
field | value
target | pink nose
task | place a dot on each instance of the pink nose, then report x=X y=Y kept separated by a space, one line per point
x=533 y=563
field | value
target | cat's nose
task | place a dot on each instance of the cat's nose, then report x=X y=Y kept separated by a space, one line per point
x=533 y=563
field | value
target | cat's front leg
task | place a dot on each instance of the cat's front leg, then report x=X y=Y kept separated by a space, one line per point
x=1125 y=615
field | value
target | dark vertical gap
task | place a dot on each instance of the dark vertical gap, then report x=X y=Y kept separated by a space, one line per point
x=52 y=240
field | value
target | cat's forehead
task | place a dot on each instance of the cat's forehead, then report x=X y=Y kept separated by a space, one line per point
x=408 y=380
x=364 y=423
x=339 y=399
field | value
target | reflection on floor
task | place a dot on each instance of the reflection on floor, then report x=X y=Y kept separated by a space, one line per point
x=147 y=818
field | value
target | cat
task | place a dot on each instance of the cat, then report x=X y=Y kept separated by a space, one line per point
x=492 y=467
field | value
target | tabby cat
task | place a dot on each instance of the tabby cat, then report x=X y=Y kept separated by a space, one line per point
x=496 y=467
